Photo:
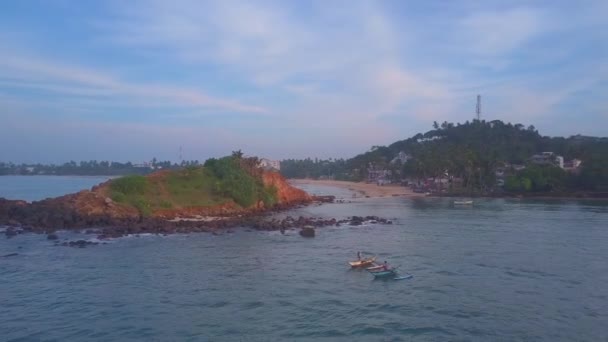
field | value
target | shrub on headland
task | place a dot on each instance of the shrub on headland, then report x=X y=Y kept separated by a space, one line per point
x=235 y=182
x=130 y=185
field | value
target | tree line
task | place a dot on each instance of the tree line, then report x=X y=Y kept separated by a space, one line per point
x=91 y=168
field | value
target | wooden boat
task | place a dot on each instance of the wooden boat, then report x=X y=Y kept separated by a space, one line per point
x=469 y=202
x=362 y=262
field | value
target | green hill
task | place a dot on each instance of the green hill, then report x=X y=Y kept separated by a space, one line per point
x=472 y=153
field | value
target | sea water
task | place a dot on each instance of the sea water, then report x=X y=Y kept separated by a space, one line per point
x=498 y=270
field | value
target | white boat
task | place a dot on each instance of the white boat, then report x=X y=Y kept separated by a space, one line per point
x=468 y=202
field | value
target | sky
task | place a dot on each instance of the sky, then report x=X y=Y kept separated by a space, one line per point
x=133 y=80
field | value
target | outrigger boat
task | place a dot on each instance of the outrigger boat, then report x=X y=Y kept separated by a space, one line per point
x=375 y=268
x=362 y=263
x=384 y=273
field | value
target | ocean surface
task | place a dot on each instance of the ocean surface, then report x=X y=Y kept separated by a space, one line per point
x=500 y=270
x=35 y=188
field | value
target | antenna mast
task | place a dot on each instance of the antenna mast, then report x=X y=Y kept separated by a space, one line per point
x=478 y=109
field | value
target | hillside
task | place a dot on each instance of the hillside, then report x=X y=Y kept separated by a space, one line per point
x=472 y=154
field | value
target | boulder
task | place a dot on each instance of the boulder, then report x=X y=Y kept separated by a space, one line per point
x=10 y=232
x=307 y=232
x=52 y=236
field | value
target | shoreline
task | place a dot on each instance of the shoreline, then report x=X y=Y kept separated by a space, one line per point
x=368 y=190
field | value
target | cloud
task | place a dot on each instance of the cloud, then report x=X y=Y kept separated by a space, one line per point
x=22 y=72
x=359 y=62
x=495 y=33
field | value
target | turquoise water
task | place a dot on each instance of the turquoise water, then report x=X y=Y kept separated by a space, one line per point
x=500 y=270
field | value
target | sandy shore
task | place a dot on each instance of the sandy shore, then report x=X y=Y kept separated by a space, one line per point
x=363 y=189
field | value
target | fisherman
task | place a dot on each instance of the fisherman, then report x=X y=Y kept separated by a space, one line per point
x=385 y=266
x=358 y=255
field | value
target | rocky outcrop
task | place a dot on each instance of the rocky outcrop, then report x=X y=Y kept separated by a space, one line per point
x=91 y=208
x=307 y=232
x=286 y=194
x=95 y=213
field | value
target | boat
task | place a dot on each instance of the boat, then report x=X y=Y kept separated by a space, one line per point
x=375 y=268
x=468 y=202
x=384 y=273
x=362 y=262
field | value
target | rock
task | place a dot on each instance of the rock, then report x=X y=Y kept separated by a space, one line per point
x=52 y=236
x=10 y=232
x=79 y=243
x=356 y=221
x=307 y=232
x=324 y=199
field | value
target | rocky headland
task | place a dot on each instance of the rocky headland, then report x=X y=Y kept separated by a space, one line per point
x=168 y=202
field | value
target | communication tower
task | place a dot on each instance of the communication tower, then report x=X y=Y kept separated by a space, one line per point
x=478 y=109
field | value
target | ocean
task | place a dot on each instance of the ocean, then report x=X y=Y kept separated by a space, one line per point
x=499 y=270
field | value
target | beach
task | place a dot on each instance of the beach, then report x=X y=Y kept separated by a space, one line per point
x=363 y=189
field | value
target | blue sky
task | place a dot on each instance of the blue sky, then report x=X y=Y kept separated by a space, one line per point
x=132 y=80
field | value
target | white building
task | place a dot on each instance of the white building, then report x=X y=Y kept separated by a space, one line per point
x=270 y=164
x=547 y=158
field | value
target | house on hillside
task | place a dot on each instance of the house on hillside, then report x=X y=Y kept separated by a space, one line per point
x=547 y=158
x=268 y=164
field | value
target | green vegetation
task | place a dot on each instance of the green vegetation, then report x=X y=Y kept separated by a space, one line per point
x=130 y=185
x=190 y=187
x=221 y=180
x=317 y=168
x=537 y=178
x=131 y=190
x=472 y=153
x=234 y=181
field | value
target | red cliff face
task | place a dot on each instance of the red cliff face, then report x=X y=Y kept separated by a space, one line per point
x=286 y=193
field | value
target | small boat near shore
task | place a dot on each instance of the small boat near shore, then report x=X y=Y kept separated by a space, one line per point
x=362 y=263
x=463 y=202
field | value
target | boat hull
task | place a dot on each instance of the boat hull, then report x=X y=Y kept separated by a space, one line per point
x=362 y=263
